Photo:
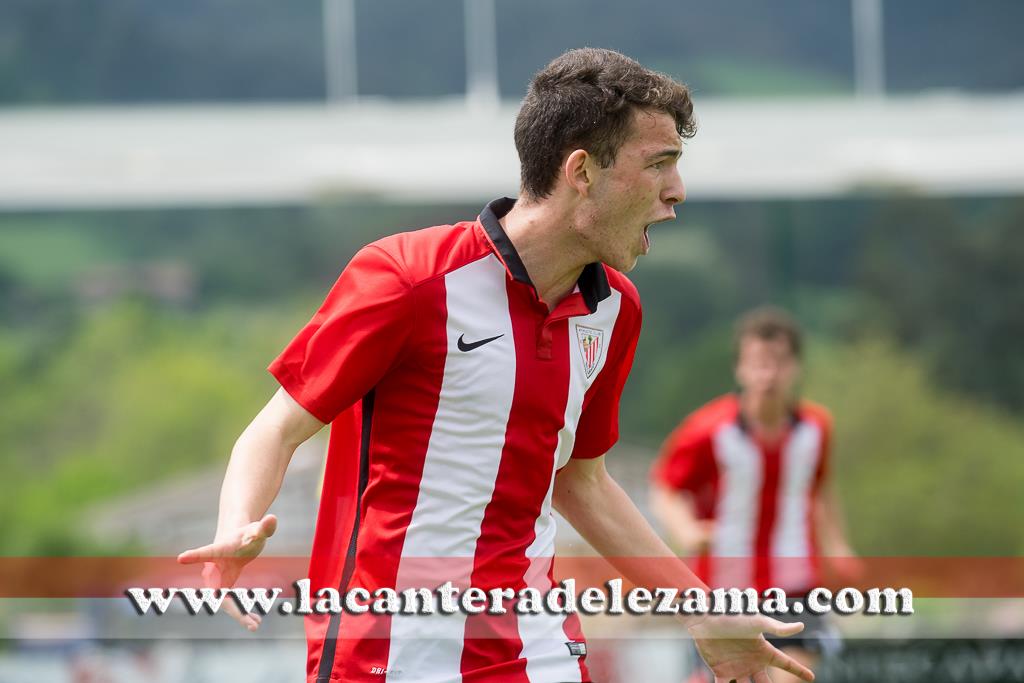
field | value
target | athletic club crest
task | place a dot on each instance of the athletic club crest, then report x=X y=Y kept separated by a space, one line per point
x=591 y=345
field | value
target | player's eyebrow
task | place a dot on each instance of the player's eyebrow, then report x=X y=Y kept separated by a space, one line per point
x=669 y=153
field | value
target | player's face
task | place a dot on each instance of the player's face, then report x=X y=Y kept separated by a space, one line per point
x=639 y=189
x=767 y=368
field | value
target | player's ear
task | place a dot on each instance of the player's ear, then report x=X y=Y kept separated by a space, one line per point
x=578 y=171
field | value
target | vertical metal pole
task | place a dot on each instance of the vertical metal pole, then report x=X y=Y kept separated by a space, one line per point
x=868 y=48
x=481 y=54
x=339 y=19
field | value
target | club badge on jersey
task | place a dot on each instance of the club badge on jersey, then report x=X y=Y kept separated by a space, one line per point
x=591 y=343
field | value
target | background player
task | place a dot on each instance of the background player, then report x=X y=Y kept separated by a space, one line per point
x=742 y=481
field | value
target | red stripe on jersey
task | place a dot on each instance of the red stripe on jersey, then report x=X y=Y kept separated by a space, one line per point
x=771 y=459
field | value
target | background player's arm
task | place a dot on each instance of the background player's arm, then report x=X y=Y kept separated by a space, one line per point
x=829 y=524
x=677 y=513
x=835 y=545
x=684 y=465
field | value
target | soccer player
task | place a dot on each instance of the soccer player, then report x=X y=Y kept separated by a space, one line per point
x=741 y=482
x=471 y=374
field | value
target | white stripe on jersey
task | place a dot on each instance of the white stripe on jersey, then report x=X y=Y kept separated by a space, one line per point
x=790 y=536
x=543 y=637
x=741 y=473
x=461 y=465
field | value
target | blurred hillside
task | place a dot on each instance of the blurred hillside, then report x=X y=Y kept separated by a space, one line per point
x=234 y=50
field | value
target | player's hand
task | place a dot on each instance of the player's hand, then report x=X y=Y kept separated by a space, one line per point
x=734 y=649
x=227 y=555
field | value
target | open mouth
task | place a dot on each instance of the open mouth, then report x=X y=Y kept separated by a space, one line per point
x=646 y=240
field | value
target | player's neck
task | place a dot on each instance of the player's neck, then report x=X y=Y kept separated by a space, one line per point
x=550 y=253
x=765 y=417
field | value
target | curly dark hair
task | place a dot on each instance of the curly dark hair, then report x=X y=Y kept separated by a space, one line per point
x=585 y=99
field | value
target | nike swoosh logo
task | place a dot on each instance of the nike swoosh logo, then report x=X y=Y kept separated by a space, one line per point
x=464 y=346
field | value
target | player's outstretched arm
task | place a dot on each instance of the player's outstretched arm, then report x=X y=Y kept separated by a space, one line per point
x=587 y=496
x=252 y=481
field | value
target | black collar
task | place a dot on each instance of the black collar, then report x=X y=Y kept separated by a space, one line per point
x=741 y=421
x=593 y=281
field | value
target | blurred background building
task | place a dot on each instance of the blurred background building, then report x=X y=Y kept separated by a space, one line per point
x=181 y=183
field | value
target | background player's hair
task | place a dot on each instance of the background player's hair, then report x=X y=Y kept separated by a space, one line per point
x=584 y=99
x=769 y=322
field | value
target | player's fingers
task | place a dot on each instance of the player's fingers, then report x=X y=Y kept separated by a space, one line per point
x=206 y=552
x=249 y=621
x=212 y=575
x=223 y=573
x=235 y=613
x=761 y=677
x=268 y=525
x=255 y=620
x=230 y=606
x=196 y=555
x=260 y=531
x=232 y=609
x=783 y=661
x=781 y=628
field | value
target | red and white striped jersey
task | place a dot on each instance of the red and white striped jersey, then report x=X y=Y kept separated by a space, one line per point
x=760 y=495
x=454 y=397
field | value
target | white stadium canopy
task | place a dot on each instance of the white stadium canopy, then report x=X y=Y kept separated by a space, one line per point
x=445 y=151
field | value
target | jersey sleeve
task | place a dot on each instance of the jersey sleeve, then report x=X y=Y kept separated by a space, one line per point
x=685 y=462
x=598 y=428
x=352 y=340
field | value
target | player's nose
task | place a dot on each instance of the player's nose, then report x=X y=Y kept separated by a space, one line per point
x=675 y=190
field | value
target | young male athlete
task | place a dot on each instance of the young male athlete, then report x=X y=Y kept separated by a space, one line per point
x=471 y=374
x=741 y=481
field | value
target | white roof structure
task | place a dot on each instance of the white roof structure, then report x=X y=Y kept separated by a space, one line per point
x=444 y=151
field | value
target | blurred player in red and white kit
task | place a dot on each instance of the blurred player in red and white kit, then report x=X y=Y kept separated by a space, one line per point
x=741 y=483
